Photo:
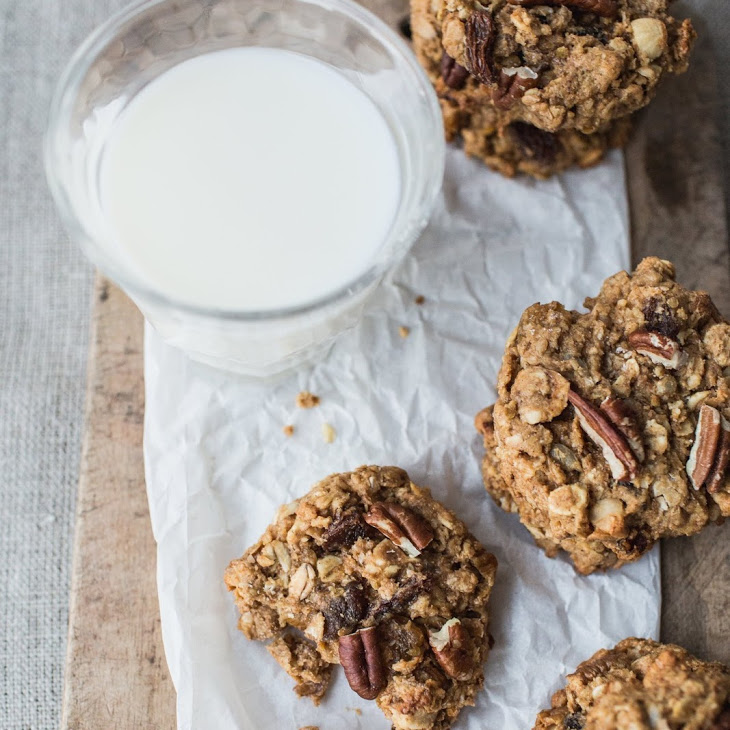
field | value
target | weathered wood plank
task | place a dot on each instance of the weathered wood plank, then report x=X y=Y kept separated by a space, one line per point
x=116 y=674
x=678 y=212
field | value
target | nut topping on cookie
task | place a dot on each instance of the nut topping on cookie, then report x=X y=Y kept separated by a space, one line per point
x=453 y=74
x=605 y=8
x=719 y=468
x=621 y=416
x=603 y=433
x=650 y=35
x=659 y=348
x=410 y=532
x=360 y=658
x=452 y=647
x=707 y=437
x=540 y=394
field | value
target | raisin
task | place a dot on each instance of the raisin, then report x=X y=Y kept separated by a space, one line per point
x=573 y=722
x=344 y=531
x=541 y=146
x=659 y=318
x=404 y=596
x=346 y=611
x=480 y=38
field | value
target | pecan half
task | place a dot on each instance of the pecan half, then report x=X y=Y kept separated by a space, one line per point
x=604 y=8
x=622 y=417
x=722 y=459
x=452 y=647
x=409 y=531
x=603 y=433
x=513 y=83
x=659 y=348
x=453 y=74
x=707 y=437
x=480 y=38
x=361 y=660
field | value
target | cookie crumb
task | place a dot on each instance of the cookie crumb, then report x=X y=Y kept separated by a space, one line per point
x=328 y=433
x=310 y=727
x=288 y=430
x=404 y=331
x=305 y=399
x=420 y=299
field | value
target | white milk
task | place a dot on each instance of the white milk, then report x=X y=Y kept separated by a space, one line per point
x=250 y=179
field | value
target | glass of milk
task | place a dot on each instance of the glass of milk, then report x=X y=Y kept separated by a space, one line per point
x=246 y=170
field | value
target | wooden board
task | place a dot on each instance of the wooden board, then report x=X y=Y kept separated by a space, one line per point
x=674 y=167
x=116 y=675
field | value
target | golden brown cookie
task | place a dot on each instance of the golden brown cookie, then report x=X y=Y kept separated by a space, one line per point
x=564 y=64
x=368 y=571
x=642 y=685
x=612 y=427
x=504 y=143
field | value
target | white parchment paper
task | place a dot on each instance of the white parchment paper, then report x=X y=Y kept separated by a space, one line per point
x=218 y=464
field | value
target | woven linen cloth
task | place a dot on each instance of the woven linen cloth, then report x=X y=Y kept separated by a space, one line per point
x=45 y=296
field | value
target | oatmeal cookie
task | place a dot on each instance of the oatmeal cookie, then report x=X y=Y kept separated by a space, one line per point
x=612 y=428
x=504 y=144
x=368 y=571
x=642 y=685
x=559 y=64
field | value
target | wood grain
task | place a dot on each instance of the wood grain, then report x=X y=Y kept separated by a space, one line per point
x=677 y=199
x=116 y=674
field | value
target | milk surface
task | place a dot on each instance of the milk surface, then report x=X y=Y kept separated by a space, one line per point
x=250 y=179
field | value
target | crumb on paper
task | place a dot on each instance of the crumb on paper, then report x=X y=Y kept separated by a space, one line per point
x=288 y=430
x=310 y=727
x=404 y=331
x=328 y=433
x=420 y=299
x=356 y=710
x=305 y=399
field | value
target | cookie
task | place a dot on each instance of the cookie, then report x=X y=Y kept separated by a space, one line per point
x=559 y=64
x=368 y=571
x=505 y=145
x=642 y=685
x=612 y=427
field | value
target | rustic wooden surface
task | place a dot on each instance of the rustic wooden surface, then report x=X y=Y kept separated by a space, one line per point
x=674 y=166
x=116 y=674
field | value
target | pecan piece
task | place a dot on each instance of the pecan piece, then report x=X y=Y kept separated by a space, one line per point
x=513 y=83
x=453 y=74
x=409 y=531
x=659 y=348
x=452 y=648
x=603 y=433
x=707 y=437
x=621 y=416
x=480 y=38
x=604 y=8
x=361 y=660
x=722 y=459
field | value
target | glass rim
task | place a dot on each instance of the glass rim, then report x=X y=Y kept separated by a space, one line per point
x=67 y=88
